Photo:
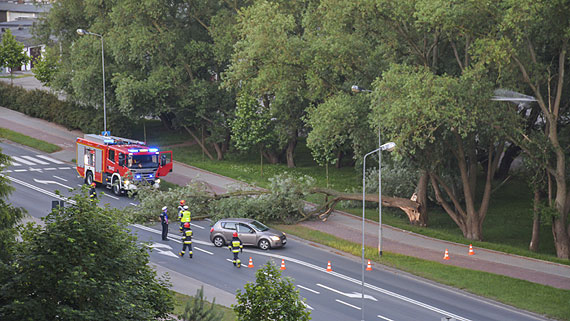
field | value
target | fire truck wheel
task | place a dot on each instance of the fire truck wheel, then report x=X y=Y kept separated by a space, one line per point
x=89 y=178
x=116 y=188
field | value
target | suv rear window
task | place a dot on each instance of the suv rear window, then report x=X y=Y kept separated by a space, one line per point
x=229 y=225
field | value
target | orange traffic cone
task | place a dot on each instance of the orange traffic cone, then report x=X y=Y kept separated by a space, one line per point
x=329 y=267
x=369 y=266
x=446 y=255
x=471 y=252
x=250 y=265
x=283 y=265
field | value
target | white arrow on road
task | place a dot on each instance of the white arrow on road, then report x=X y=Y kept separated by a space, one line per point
x=51 y=182
x=350 y=295
x=158 y=247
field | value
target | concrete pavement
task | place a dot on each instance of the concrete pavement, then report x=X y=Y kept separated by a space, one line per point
x=340 y=224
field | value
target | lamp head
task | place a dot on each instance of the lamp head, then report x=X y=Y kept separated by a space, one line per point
x=388 y=146
x=81 y=32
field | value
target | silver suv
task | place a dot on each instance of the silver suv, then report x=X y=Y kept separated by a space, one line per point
x=250 y=232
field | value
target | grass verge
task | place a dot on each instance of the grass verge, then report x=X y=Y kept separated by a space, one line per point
x=28 y=141
x=180 y=301
x=537 y=298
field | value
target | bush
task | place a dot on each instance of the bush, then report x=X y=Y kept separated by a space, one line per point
x=41 y=104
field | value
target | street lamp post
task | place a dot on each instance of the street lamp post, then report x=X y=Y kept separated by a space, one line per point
x=83 y=32
x=388 y=146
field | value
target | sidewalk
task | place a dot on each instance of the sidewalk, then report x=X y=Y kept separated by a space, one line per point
x=341 y=224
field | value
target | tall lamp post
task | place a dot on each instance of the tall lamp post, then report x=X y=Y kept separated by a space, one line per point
x=83 y=32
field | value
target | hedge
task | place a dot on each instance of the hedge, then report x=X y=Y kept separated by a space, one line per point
x=42 y=104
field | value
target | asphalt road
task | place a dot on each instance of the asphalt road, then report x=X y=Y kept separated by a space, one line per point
x=389 y=294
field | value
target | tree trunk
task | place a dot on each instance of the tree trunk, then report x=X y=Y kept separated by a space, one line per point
x=166 y=120
x=290 y=153
x=561 y=240
x=204 y=149
x=422 y=199
x=510 y=154
x=533 y=246
x=339 y=159
x=219 y=153
x=271 y=157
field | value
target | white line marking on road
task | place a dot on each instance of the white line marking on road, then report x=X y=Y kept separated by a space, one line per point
x=23 y=161
x=8 y=171
x=50 y=159
x=199 y=249
x=348 y=304
x=229 y=260
x=50 y=169
x=63 y=179
x=51 y=182
x=20 y=170
x=198 y=226
x=14 y=164
x=310 y=290
x=350 y=295
x=79 y=184
x=39 y=170
x=133 y=204
x=64 y=168
x=32 y=159
x=160 y=245
x=41 y=190
x=358 y=282
x=111 y=196
x=308 y=306
x=384 y=318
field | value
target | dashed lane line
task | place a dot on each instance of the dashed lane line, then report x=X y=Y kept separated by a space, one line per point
x=111 y=196
x=310 y=290
x=347 y=304
x=384 y=318
x=60 y=178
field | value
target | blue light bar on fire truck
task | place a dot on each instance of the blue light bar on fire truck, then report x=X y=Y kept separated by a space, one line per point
x=143 y=150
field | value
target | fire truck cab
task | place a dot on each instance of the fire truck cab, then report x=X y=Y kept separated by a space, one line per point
x=119 y=163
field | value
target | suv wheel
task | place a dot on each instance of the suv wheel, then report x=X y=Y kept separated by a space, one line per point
x=264 y=244
x=219 y=241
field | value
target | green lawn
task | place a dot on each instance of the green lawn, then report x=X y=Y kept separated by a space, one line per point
x=522 y=294
x=28 y=141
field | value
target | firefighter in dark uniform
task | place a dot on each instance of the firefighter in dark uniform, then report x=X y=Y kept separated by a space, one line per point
x=93 y=192
x=236 y=247
x=164 y=223
x=186 y=239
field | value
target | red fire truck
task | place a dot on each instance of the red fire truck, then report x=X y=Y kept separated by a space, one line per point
x=118 y=163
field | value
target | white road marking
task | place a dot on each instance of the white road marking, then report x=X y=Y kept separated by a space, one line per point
x=39 y=170
x=384 y=318
x=41 y=190
x=308 y=306
x=14 y=164
x=198 y=226
x=111 y=196
x=20 y=170
x=358 y=282
x=50 y=169
x=133 y=204
x=51 y=182
x=350 y=295
x=199 y=249
x=310 y=290
x=229 y=260
x=8 y=171
x=155 y=245
x=348 y=304
x=64 y=168
x=63 y=179
x=55 y=161
x=23 y=161
x=32 y=159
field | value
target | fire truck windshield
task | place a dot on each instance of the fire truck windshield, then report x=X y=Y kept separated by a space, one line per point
x=143 y=161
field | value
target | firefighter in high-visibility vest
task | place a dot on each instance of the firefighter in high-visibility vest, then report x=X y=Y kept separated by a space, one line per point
x=184 y=216
x=93 y=192
x=186 y=239
x=236 y=247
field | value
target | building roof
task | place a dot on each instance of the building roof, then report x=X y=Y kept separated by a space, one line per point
x=23 y=7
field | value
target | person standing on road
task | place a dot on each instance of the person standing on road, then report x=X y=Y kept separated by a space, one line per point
x=93 y=192
x=236 y=247
x=164 y=223
x=185 y=217
x=186 y=239
x=181 y=208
